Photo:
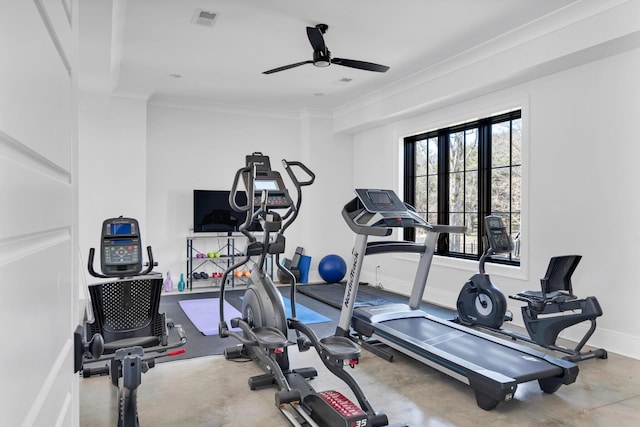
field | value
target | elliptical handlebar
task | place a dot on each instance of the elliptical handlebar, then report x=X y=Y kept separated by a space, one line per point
x=298 y=185
x=252 y=213
x=287 y=165
x=234 y=190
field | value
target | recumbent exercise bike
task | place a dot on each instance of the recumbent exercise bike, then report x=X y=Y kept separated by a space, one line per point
x=127 y=333
x=548 y=311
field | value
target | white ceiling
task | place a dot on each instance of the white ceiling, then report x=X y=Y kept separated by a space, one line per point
x=149 y=40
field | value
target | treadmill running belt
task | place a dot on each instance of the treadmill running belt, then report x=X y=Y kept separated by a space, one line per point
x=333 y=293
x=481 y=352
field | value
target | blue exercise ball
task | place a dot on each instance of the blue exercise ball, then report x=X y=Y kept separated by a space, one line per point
x=332 y=268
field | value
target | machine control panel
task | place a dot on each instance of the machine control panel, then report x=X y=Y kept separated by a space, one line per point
x=121 y=247
x=381 y=209
x=277 y=196
x=381 y=201
x=267 y=181
x=499 y=239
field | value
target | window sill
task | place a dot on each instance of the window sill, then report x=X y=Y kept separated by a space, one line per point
x=500 y=270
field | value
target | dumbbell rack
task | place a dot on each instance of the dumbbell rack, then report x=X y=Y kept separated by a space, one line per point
x=226 y=245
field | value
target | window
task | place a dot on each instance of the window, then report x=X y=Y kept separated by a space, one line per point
x=460 y=174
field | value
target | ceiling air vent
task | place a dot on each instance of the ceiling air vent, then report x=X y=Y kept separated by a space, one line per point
x=203 y=17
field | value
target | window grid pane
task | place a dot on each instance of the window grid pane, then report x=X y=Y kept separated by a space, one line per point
x=501 y=139
x=421 y=153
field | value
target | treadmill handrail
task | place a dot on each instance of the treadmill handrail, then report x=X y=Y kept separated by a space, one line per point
x=349 y=213
x=383 y=247
x=444 y=228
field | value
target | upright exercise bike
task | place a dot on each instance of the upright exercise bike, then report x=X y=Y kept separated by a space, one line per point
x=127 y=333
x=264 y=324
x=546 y=313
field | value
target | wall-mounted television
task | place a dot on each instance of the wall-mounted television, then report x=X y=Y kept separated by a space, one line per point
x=212 y=212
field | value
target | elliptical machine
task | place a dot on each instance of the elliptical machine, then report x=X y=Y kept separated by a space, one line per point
x=127 y=331
x=547 y=313
x=264 y=324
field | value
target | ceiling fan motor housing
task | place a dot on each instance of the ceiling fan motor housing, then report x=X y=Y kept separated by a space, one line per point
x=322 y=58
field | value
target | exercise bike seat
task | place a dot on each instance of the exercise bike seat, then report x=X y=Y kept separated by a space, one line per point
x=555 y=286
x=340 y=348
x=556 y=297
x=144 y=342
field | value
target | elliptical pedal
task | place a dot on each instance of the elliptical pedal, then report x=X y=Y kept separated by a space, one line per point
x=269 y=337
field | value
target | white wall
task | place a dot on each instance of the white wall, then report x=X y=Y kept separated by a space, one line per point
x=112 y=166
x=203 y=148
x=581 y=171
x=330 y=156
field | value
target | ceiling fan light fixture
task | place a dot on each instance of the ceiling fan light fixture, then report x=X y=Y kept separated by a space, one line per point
x=322 y=59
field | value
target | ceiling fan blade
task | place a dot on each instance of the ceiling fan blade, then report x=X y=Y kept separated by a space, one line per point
x=286 y=67
x=361 y=65
x=316 y=39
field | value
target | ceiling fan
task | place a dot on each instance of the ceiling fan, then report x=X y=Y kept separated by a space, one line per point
x=322 y=56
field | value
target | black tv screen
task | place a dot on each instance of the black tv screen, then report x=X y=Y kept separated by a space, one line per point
x=212 y=212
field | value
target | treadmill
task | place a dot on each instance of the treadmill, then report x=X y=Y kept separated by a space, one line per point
x=492 y=366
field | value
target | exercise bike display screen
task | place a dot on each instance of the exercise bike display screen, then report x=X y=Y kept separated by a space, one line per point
x=497 y=234
x=119 y=229
x=121 y=246
x=494 y=222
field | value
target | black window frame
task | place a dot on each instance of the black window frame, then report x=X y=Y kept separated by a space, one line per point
x=484 y=169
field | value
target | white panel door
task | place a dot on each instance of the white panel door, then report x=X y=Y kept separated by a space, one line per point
x=38 y=219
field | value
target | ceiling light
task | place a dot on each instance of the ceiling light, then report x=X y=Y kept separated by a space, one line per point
x=343 y=81
x=175 y=76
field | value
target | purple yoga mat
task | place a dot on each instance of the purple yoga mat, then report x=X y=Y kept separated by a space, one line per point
x=205 y=314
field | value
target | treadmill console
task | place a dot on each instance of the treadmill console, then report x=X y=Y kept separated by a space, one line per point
x=499 y=239
x=120 y=247
x=376 y=212
x=380 y=200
